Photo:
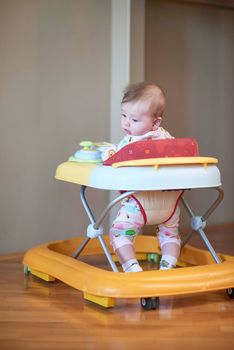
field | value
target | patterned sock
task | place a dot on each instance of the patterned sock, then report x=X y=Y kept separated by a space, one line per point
x=167 y=262
x=131 y=265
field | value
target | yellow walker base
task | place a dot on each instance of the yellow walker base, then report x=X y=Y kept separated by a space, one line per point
x=54 y=260
x=203 y=270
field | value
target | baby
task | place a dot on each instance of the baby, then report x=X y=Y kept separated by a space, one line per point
x=143 y=105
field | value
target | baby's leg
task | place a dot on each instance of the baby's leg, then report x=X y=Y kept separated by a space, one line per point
x=125 y=252
x=124 y=229
x=170 y=241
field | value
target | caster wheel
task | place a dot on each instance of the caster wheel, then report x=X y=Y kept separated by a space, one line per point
x=26 y=270
x=150 y=303
x=153 y=258
x=230 y=293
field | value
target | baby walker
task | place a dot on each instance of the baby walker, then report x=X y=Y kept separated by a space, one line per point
x=153 y=165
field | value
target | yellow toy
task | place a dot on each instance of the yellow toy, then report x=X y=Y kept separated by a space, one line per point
x=201 y=270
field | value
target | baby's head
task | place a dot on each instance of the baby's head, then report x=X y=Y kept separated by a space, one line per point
x=143 y=105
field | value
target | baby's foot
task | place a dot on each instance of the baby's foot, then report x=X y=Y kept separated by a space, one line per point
x=134 y=268
x=167 y=262
x=131 y=265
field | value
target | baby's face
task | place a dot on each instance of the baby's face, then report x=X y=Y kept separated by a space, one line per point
x=136 y=118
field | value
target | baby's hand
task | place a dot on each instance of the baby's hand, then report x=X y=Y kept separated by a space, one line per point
x=108 y=152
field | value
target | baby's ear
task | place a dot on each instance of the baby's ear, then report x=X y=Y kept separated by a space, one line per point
x=157 y=122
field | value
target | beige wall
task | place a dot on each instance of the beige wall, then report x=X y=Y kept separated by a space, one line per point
x=63 y=65
x=190 y=52
x=54 y=92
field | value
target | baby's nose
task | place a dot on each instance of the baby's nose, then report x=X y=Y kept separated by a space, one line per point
x=126 y=121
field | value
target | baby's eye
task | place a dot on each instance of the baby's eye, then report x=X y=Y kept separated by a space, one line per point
x=135 y=120
x=124 y=115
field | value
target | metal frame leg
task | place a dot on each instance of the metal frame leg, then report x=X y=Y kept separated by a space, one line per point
x=198 y=223
x=91 y=218
x=97 y=223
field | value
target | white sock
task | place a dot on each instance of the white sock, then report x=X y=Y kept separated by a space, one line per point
x=131 y=265
x=167 y=262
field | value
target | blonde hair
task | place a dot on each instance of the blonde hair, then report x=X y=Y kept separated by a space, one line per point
x=147 y=92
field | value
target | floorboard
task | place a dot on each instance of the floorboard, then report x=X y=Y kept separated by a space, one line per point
x=40 y=315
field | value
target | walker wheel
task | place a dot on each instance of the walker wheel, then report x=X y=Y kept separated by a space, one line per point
x=230 y=293
x=26 y=270
x=150 y=303
x=153 y=258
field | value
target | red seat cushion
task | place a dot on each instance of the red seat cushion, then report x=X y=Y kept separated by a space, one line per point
x=180 y=147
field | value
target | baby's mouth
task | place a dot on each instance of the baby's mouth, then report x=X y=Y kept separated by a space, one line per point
x=127 y=131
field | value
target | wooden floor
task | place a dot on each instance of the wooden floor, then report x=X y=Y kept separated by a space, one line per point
x=39 y=315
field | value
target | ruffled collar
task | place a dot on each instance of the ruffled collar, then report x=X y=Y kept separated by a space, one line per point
x=154 y=134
